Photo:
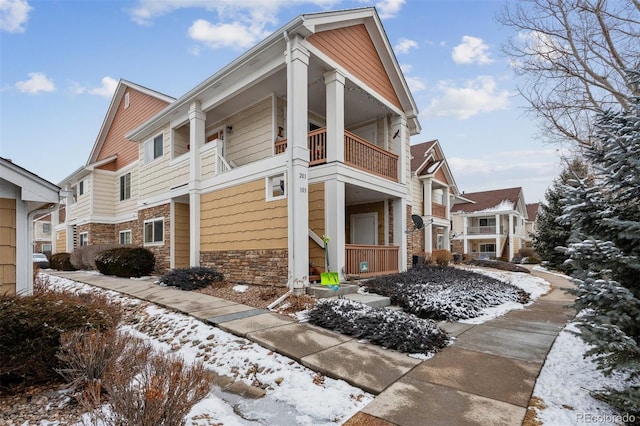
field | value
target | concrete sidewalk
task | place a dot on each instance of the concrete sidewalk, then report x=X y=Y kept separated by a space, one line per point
x=485 y=377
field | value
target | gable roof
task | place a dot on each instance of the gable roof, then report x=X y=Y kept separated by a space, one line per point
x=121 y=89
x=427 y=159
x=419 y=153
x=495 y=200
x=33 y=187
x=272 y=47
x=532 y=211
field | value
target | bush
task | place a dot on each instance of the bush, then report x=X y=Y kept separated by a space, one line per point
x=30 y=330
x=126 y=262
x=391 y=329
x=191 y=278
x=84 y=257
x=526 y=252
x=499 y=264
x=441 y=257
x=61 y=262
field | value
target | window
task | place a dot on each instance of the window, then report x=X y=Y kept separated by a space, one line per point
x=276 y=187
x=153 y=148
x=154 y=231
x=46 y=248
x=46 y=228
x=83 y=239
x=125 y=237
x=487 y=248
x=125 y=187
x=488 y=221
x=82 y=187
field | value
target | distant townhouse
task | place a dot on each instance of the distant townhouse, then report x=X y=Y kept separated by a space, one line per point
x=530 y=223
x=490 y=224
x=296 y=152
x=433 y=191
x=42 y=234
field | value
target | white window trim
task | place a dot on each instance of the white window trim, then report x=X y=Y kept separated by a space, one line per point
x=153 y=243
x=120 y=186
x=47 y=245
x=269 y=187
x=124 y=232
x=151 y=142
x=86 y=234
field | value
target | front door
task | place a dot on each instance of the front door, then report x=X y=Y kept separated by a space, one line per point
x=364 y=229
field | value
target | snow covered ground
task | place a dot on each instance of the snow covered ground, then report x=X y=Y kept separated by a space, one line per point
x=295 y=396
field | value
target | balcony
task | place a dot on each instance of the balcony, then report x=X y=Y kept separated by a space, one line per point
x=380 y=260
x=358 y=153
x=485 y=230
x=438 y=210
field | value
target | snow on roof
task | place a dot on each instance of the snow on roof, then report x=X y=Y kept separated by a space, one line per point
x=500 y=207
x=490 y=201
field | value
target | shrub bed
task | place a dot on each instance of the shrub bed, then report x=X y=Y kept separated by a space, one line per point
x=85 y=257
x=391 y=329
x=499 y=264
x=61 y=262
x=445 y=293
x=126 y=262
x=191 y=278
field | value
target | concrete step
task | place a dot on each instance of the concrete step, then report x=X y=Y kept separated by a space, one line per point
x=373 y=300
x=321 y=291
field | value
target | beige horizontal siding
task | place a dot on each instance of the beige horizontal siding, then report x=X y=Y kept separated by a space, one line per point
x=181 y=235
x=7 y=246
x=239 y=218
x=61 y=241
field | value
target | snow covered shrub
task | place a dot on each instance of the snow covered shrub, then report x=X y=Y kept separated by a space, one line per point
x=30 y=330
x=499 y=264
x=126 y=262
x=390 y=329
x=604 y=249
x=61 y=262
x=191 y=278
x=441 y=257
x=84 y=257
x=444 y=293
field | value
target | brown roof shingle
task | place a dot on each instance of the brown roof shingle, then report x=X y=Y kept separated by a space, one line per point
x=417 y=153
x=488 y=199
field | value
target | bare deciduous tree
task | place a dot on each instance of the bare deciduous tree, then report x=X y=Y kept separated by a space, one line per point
x=573 y=56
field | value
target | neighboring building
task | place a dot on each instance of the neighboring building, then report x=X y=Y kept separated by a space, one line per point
x=304 y=136
x=490 y=224
x=23 y=196
x=530 y=223
x=42 y=235
x=431 y=180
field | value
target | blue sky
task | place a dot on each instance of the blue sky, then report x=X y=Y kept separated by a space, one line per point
x=60 y=61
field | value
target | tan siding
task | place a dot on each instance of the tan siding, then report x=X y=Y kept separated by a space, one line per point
x=158 y=177
x=440 y=176
x=130 y=205
x=61 y=241
x=141 y=108
x=316 y=223
x=83 y=204
x=181 y=235
x=353 y=49
x=417 y=202
x=103 y=193
x=208 y=162
x=366 y=208
x=239 y=218
x=7 y=246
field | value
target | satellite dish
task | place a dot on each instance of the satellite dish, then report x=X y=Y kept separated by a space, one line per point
x=417 y=221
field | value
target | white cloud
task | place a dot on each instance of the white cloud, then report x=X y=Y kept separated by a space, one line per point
x=107 y=89
x=234 y=34
x=404 y=45
x=415 y=84
x=471 y=50
x=406 y=68
x=473 y=97
x=389 y=8
x=14 y=15
x=542 y=47
x=38 y=82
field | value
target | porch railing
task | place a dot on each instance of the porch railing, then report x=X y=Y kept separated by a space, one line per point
x=438 y=210
x=379 y=260
x=483 y=255
x=358 y=153
x=484 y=230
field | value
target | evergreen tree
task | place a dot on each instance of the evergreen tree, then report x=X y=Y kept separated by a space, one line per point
x=605 y=250
x=550 y=233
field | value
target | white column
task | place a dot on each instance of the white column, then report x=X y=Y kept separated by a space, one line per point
x=334 y=196
x=400 y=145
x=334 y=81
x=427 y=189
x=196 y=141
x=465 y=249
x=399 y=226
x=447 y=228
x=510 y=236
x=298 y=155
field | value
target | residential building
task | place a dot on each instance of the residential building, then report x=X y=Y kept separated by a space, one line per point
x=490 y=224
x=302 y=140
x=42 y=234
x=431 y=181
x=530 y=223
x=23 y=196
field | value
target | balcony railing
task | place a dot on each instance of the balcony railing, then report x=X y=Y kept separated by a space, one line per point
x=438 y=210
x=483 y=255
x=379 y=260
x=358 y=153
x=484 y=230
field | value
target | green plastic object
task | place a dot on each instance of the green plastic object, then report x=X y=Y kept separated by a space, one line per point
x=329 y=278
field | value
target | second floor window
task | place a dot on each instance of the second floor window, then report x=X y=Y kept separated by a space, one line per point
x=153 y=148
x=125 y=187
x=46 y=228
x=82 y=187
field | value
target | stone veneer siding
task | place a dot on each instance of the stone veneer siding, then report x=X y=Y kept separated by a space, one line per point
x=162 y=252
x=98 y=233
x=260 y=267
